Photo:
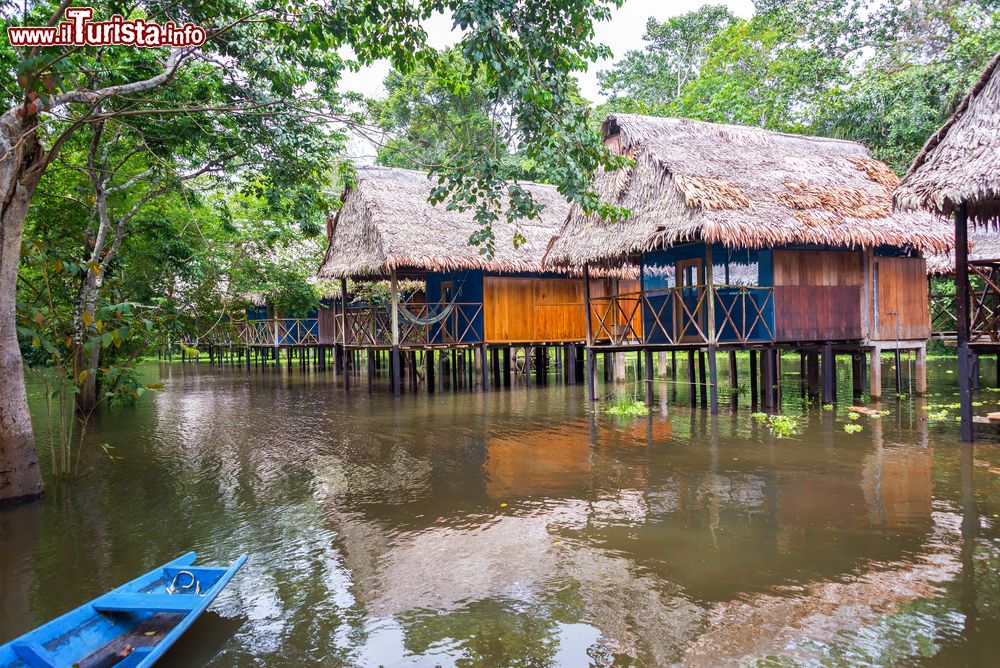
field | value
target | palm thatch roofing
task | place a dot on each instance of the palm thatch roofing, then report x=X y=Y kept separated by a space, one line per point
x=387 y=223
x=961 y=161
x=984 y=244
x=743 y=187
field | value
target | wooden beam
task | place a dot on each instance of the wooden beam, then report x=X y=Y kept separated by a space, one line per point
x=962 y=331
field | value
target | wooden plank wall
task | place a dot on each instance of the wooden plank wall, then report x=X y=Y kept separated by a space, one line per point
x=529 y=310
x=328 y=331
x=539 y=310
x=817 y=295
x=818 y=268
x=902 y=289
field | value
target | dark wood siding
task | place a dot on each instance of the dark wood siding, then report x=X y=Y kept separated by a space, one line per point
x=811 y=313
x=901 y=289
x=817 y=295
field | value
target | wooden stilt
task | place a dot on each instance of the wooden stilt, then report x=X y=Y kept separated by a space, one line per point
x=649 y=376
x=570 y=364
x=812 y=374
x=430 y=370
x=395 y=371
x=963 y=326
x=702 y=381
x=857 y=375
x=829 y=369
x=921 y=369
x=506 y=366
x=371 y=371
x=591 y=373
x=733 y=381
x=766 y=379
x=875 y=373
x=661 y=364
x=692 y=380
x=484 y=365
x=713 y=381
x=754 y=394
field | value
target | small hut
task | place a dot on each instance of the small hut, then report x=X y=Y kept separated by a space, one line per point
x=388 y=230
x=957 y=174
x=754 y=239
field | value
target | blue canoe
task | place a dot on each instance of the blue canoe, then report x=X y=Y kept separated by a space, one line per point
x=130 y=626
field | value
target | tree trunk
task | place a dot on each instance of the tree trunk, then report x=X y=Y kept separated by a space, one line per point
x=86 y=400
x=20 y=478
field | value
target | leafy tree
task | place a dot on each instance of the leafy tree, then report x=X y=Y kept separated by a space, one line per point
x=675 y=52
x=272 y=75
x=925 y=57
x=778 y=69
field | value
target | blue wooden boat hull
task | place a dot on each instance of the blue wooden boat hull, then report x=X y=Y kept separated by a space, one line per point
x=128 y=627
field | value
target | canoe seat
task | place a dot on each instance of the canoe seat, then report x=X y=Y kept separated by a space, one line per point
x=137 y=602
x=35 y=655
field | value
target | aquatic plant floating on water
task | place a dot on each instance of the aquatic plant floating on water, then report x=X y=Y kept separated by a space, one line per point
x=853 y=428
x=623 y=405
x=781 y=426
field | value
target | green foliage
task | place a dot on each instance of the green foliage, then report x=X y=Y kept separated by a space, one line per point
x=852 y=428
x=115 y=333
x=674 y=55
x=782 y=426
x=886 y=74
x=624 y=405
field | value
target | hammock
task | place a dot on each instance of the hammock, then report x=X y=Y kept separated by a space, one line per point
x=423 y=322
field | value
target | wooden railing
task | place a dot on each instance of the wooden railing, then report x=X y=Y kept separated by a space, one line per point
x=426 y=324
x=675 y=316
x=944 y=314
x=278 y=332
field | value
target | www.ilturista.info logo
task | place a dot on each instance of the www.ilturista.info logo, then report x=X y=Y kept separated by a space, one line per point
x=79 y=30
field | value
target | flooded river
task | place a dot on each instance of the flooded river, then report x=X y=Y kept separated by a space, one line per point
x=525 y=528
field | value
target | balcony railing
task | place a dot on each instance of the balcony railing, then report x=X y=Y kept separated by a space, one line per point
x=419 y=324
x=675 y=316
x=278 y=332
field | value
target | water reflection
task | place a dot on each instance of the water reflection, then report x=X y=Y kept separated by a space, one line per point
x=522 y=528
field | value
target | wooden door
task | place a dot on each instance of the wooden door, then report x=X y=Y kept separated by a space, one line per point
x=689 y=314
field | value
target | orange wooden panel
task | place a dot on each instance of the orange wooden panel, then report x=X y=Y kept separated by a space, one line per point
x=902 y=292
x=533 y=310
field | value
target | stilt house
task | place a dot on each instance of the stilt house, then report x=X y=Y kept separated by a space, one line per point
x=752 y=239
x=388 y=230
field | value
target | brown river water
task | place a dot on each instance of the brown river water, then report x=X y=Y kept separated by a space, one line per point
x=526 y=527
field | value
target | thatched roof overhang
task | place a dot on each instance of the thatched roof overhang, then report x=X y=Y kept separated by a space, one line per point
x=387 y=224
x=742 y=187
x=961 y=161
x=984 y=246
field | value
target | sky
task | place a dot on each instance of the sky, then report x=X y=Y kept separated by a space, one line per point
x=622 y=33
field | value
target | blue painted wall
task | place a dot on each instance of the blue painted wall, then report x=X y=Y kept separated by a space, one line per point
x=739 y=267
x=467 y=289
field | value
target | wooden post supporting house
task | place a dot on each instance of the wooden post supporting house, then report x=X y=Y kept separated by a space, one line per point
x=588 y=319
x=962 y=325
x=712 y=334
x=394 y=299
x=829 y=374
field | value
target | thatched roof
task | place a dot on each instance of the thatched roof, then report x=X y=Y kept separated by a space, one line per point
x=387 y=223
x=744 y=187
x=984 y=244
x=961 y=161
